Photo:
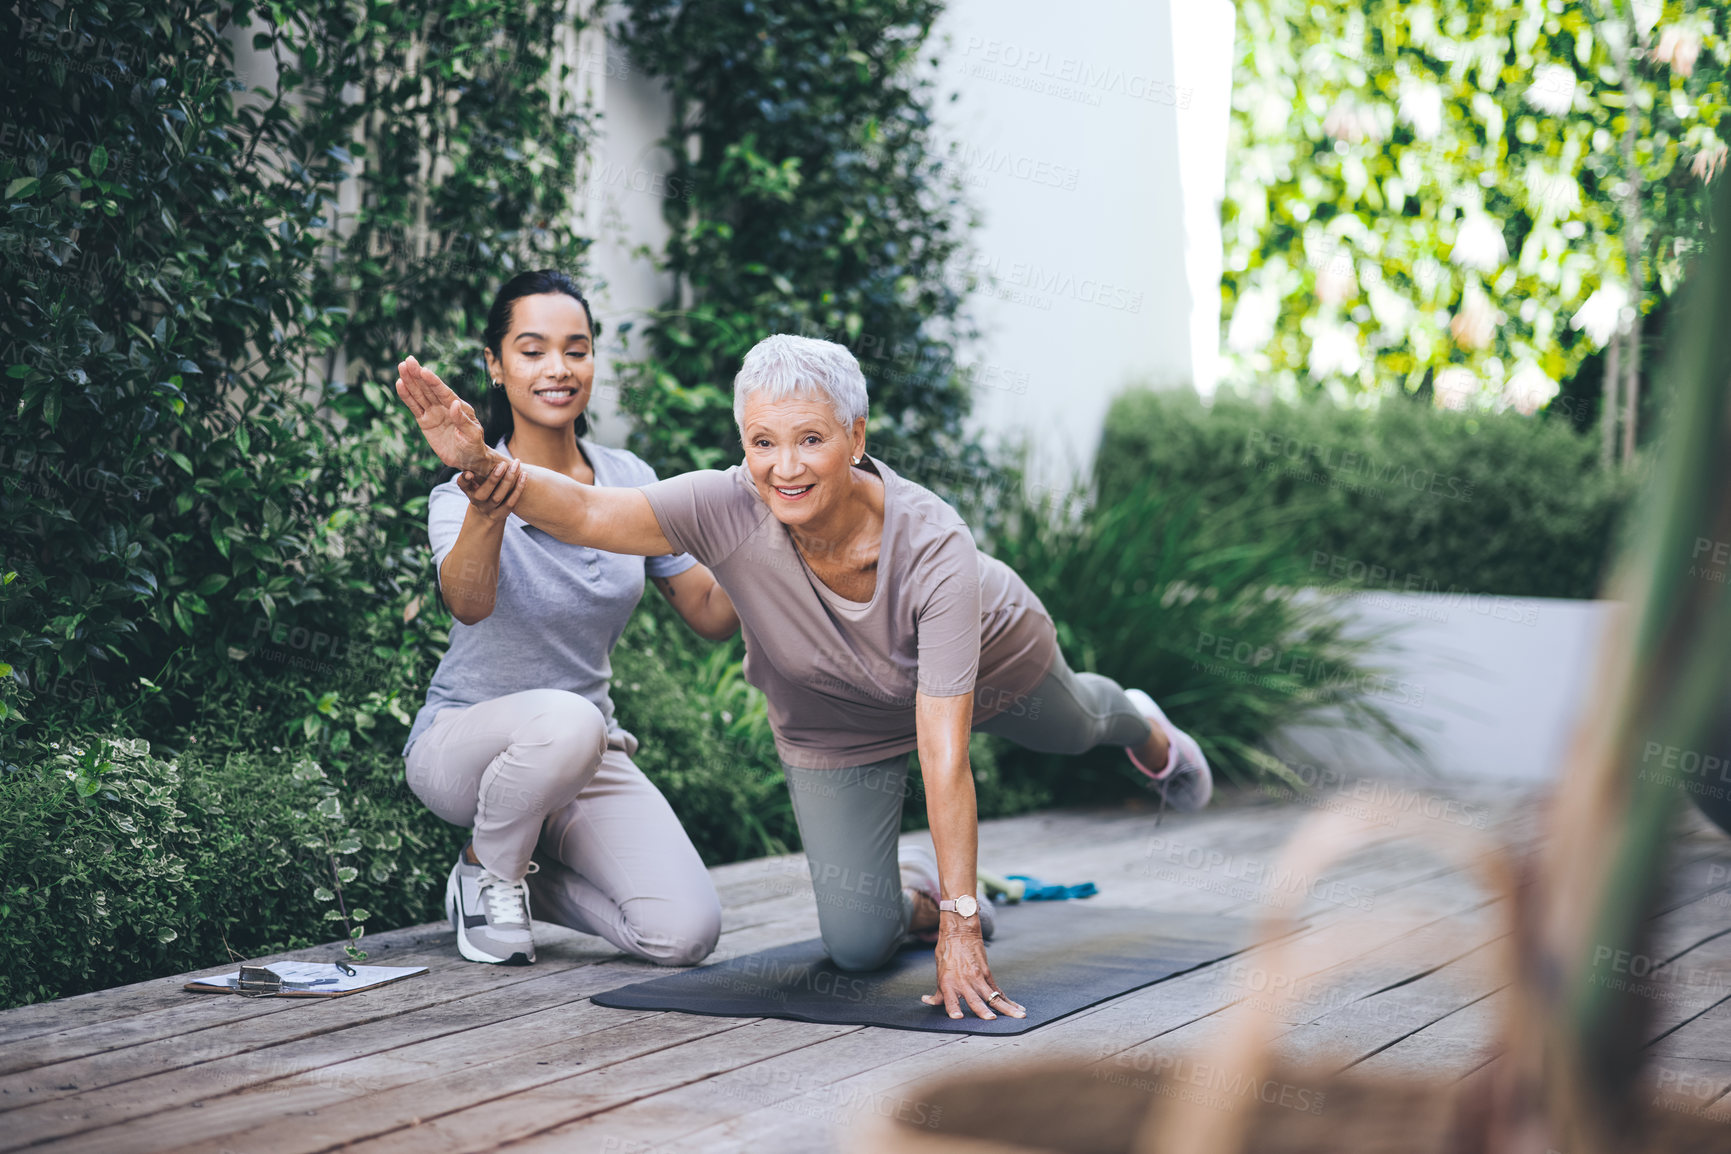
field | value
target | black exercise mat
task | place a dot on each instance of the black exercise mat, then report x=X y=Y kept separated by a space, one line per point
x=1053 y=957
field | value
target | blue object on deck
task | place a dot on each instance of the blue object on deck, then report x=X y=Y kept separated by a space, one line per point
x=1039 y=891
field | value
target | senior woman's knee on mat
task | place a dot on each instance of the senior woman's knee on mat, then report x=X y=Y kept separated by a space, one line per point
x=874 y=627
x=849 y=820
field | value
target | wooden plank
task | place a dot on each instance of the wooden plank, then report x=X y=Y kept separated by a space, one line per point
x=509 y=1107
x=797 y=1083
x=37 y=1066
x=1694 y=1086
x=243 y=1061
x=476 y=996
x=1452 y=1047
x=379 y=1091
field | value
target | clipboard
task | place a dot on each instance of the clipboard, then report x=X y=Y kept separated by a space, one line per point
x=310 y=980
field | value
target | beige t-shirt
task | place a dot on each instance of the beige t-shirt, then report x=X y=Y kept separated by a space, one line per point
x=840 y=676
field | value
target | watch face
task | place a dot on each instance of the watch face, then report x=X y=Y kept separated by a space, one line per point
x=967 y=906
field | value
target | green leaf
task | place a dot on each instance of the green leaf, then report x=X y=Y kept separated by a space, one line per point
x=211 y=584
x=98 y=160
x=321 y=893
x=346 y=874
x=332 y=808
x=180 y=459
x=23 y=186
x=166 y=935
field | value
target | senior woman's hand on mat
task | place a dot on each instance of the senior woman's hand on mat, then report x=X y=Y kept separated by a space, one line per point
x=964 y=975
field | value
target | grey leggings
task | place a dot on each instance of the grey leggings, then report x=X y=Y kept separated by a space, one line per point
x=537 y=777
x=849 y=819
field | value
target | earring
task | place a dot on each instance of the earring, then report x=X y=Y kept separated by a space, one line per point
x=856 y=460
x=496 y=383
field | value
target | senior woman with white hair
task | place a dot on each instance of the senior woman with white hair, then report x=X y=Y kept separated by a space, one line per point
x=874 y=626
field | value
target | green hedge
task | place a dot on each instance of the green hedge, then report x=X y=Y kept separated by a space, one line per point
x=1402 y=496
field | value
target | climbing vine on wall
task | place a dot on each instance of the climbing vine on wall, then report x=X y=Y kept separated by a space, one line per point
x=813 y=200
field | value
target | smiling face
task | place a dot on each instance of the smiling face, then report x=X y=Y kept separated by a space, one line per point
x=800 y=456
x=546 y=361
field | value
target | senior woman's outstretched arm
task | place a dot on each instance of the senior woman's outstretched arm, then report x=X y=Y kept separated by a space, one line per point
x=617 y=520
x=943 y=724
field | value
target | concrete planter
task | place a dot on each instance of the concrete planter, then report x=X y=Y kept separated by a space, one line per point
x=1490 y=686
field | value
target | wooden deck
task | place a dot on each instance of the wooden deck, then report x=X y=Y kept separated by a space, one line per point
x=474 y=1057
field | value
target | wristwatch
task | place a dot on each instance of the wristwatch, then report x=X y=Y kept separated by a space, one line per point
x=965 y=905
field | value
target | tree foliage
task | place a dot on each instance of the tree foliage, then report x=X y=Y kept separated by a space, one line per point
x=187 y=468
x=1427 y=195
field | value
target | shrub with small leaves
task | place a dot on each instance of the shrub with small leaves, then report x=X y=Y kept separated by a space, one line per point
x=119 y=865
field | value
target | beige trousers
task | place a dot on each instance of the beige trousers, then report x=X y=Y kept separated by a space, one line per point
x=536 y=778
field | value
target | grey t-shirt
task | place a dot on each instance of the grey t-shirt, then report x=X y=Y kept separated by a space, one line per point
x=840 y=676
x=559 y=609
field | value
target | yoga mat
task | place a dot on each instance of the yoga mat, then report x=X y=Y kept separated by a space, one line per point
x=1053 y=957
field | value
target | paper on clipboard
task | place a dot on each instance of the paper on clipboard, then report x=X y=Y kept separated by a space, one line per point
x=313 y=979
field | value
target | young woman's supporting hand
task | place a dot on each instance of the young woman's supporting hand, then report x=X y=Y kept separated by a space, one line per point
x=964 y=976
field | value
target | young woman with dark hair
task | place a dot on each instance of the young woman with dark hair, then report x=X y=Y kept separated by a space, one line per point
x=517 y=739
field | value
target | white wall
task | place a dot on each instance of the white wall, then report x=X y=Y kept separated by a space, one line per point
x=1092 y=146
x=625 y=188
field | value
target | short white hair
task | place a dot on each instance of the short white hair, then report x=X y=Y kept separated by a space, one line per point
x=784 y=366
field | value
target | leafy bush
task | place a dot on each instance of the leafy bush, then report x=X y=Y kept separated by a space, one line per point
x=1143 y=591
x=704 y=737
x=1403 y=496
x=149 y=250
x=119 y=865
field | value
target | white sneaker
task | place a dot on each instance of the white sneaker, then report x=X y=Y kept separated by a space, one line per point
x=490 y=914
x=919 y=869
x=1185 y=783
